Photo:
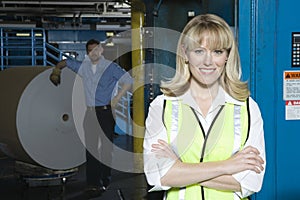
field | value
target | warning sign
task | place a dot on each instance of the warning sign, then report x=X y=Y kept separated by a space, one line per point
x=293 y=103
x=289 y=75
x=292 y=110
x=291 y=85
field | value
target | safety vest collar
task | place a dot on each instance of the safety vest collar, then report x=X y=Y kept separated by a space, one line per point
x=221 y=99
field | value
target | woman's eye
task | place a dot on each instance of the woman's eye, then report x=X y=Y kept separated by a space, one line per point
x=218 y=52
x=199 y=51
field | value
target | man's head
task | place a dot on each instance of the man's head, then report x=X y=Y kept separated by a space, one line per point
x=94 y=50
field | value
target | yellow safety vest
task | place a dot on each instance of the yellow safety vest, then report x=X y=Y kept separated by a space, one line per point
x=229 y=129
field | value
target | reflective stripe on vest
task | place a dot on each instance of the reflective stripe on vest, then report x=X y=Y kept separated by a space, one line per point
x=187 y=138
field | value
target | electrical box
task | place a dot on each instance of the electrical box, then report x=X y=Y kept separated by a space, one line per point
x=295 y=49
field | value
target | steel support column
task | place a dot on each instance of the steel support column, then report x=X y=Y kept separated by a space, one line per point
x=138 y=73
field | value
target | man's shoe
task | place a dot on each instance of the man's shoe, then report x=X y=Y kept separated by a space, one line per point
x=94 y=191
x=105 y=182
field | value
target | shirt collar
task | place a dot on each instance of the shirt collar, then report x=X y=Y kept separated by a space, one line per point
x=87 y=59
x=221 y=98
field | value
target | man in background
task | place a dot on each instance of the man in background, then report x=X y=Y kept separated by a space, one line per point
x=100 y=78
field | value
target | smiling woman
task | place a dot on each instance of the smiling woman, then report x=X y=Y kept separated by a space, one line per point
x=205 y=145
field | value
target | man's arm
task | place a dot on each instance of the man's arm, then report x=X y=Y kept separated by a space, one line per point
x=124 y=88
x=62 y=64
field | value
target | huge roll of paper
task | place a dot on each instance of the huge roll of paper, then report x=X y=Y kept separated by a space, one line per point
x=37 y=121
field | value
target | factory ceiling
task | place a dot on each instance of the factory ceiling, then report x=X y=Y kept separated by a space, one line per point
x=56 y=13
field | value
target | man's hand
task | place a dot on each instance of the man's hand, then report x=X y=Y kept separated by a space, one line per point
x=55 y=76
x=114 y=102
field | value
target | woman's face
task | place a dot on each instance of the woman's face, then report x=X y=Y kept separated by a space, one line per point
x=94 y=52
x=206 y=65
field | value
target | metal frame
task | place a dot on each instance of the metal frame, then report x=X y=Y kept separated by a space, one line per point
x=33 y=40
x=257 y=41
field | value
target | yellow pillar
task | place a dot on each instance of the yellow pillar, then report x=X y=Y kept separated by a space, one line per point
x=138 y=73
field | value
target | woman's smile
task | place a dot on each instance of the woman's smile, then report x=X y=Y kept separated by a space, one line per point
x=207 y=71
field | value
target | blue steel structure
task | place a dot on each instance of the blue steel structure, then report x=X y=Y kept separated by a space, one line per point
x=22 y=46
x=31 y=46
x=27 y=47
x=259 y=68
x=264 y=32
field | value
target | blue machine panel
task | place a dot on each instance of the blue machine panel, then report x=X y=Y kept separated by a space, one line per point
x=288 y=163
x=265 y=42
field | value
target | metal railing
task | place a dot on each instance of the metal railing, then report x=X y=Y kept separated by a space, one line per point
x=22 y=47
x=123 y=111
x=54 y=55
x=27 y=47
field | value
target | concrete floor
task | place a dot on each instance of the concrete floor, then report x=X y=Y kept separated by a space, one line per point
x=124 y=185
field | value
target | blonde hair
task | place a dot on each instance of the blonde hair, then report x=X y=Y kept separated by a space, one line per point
x=218 y=35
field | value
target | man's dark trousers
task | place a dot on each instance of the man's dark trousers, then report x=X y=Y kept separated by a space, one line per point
x=99 y=126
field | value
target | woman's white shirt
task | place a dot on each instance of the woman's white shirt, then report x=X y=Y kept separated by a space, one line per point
x=155 y=168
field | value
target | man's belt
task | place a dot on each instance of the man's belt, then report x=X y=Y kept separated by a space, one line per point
x=106 y=107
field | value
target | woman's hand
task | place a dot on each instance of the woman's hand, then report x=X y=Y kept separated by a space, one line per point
x=246 y=159
x=163 y=150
